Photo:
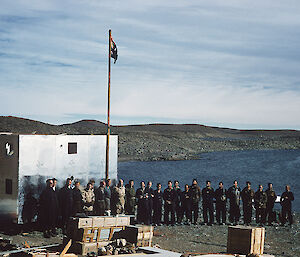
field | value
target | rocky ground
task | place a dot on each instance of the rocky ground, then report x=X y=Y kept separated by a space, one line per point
x=150 y=146
x=279 y=241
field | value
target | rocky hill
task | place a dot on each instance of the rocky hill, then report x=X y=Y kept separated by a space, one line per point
x=164 y=141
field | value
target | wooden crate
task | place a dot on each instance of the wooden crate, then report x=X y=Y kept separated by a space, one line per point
x=123 y=221
x=245 y=240
x=88 y=235
x=80 y=222
x=110 y=221
x=98 y=221
x=139 y=235
x=103 y=244
x=84 y=248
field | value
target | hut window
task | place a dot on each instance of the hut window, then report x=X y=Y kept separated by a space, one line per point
x=8 y=186
x=72 y=148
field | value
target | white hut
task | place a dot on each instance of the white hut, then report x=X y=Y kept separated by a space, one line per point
x=26 y=161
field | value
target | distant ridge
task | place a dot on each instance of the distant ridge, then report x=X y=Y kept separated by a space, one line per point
x=152 y=142
x=28 y=126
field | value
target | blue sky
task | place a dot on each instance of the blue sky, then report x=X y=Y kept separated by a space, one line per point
x=221 y=63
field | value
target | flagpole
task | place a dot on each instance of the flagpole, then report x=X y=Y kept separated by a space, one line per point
x=108 y=108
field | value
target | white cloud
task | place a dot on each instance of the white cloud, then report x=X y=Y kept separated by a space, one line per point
x=217 y=62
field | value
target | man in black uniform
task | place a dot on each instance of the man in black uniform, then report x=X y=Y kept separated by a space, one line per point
x=150 y=192
x=187 y=204
x=260 y=202
x=247 y=195
x=208 y=203
x=233 y=194
x=271 y=195
x=169 y=198
x=157 y=205
x=196 y=195
x=286 y=202
x=77 y=199
x=48 y=209
x=142 y=205
x=55 y=189
x=66 y=203
x=178 y=205
x=220 y=196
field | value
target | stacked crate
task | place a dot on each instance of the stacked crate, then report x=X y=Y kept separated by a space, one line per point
x=89 y=234
x=139 y=235
x=245 y=240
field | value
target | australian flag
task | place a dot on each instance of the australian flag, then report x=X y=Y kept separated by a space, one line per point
x=114 y=50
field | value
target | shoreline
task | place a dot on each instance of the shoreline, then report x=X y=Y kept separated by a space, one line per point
x=183 y=157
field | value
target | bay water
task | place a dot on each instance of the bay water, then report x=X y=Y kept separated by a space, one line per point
x=280 y=167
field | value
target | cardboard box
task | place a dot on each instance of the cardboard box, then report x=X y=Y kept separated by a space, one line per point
x=245 y=240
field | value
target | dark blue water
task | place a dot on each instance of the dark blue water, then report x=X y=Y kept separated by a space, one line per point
x=280 y=167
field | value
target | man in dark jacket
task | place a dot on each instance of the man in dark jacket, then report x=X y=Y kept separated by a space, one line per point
x=150 y=192
x=169 y=198
x=178 y=204
x=77 y=199
x=196 y=195
x=56 y=190
x=130 y=198
x=247 y=195
x=271 y=195
x=208 y=203
x=157 y=205
x=66 y=203
x=48 y=209
x=286 y=202
x=233 y=194
x=220 y=196
x=187 y=204
x=142 y=205
x=100 y=199
x=260 y=203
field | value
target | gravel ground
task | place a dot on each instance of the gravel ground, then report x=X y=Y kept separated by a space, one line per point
x=279 y=241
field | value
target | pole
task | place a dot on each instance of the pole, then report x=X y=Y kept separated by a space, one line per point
x=108 y=109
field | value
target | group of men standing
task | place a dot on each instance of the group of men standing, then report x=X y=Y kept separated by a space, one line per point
x=57 y=206
x=156 y=206
x=183 y=205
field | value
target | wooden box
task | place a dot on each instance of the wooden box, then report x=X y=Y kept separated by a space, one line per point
x=84 y=248
x=110 y=221
x=103 y=244
x=245 y=240
x=123 y=221
x=88 y=235
x=139 y=235
x=98 y=221
x=81 y=222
